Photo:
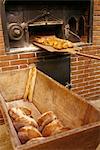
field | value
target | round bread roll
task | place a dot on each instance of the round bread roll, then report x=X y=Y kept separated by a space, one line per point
x=27 y=133
x=52 y=128
x=24 y=121
x=15 y=112
x=45 y=119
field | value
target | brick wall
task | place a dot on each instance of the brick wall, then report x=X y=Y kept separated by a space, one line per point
x=85 y=72
x=96 y=22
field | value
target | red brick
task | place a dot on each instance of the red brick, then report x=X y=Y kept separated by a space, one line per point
x=95 y=81
x=78 y=63
x=89 y=78
x=97 y=12
x=2 y=64
x=33 y=60
x=30 y=55
x=82 y=84
x=1 y=39
x=82 y=67
x=2 y=51
x=74 y=68
x=9 y=68
x=96 y=33
x=77 y=81
x=18 y=62
x=2 y=45
x=96 y=28
x=1 y=33
x=76 y=72
x=73 y=77
x=96 y=18
x=83 y=76
x=23 y=66
x=8 y=57
x=76 y=90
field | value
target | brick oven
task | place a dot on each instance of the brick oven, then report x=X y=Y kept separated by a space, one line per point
x=18 y=23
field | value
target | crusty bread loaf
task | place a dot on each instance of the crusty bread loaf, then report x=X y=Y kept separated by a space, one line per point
x=45 y=119
x=52 y=128
x=24 y=121
x=53 y=41
x=15 y=112
x=20 y=119
x=27 y=133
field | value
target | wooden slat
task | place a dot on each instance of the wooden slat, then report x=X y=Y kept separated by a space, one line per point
x=51 y=49
x=68 y=50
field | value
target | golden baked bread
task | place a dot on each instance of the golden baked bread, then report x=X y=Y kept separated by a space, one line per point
x=45 y=119
x=53 y=41
x=20 y=118
x=15 y=112
x=27 y=133
x=52 y=128
x=24 y=121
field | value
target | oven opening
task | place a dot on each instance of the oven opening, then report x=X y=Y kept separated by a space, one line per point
x=46 y=30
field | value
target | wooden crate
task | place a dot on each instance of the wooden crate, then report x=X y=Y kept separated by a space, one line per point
x=72 y=110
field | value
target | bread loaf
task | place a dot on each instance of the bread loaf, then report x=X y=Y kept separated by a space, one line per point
x=24 y=121
x=45 y=119
x=53 y=41
x=20 y=118
x=15 y=112
x=52 y=128
x=27 y=133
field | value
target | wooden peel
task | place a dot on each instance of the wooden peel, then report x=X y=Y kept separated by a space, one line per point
x=73 y=50
x=86 y=55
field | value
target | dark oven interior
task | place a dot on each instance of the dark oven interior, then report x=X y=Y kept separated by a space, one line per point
x=67 y=19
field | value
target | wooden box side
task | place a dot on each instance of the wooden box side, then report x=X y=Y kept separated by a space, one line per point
x=11 y=130
x=78 y=139
x=71 y=109
x=13 y=83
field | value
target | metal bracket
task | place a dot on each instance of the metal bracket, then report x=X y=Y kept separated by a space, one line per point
x=68 y=85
